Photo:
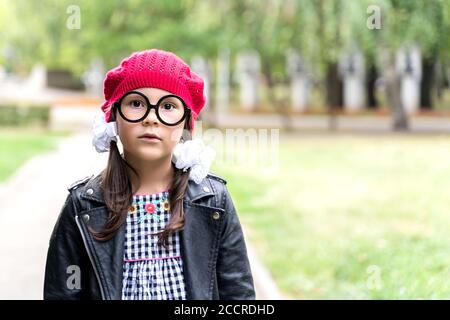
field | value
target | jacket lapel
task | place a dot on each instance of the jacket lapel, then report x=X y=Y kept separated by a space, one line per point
x=108 y=253
x=199 y=240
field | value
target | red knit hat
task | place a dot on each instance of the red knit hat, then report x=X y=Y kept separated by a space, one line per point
x=157 y=69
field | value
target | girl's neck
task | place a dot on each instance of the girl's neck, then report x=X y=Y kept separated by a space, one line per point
x=154 y=176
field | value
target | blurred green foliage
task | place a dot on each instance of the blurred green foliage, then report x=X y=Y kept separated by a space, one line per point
x=17 y=145
x=318 y=29
x=24 y=115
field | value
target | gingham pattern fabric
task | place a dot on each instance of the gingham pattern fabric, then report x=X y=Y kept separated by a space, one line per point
x=151 y=272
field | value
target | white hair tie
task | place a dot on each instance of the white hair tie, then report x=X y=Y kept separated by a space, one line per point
x=194 y=154
x=103 y=133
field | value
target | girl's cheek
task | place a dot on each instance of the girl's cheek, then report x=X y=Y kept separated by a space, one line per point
x=169 y=141
x=124 y=132
x=176 y=134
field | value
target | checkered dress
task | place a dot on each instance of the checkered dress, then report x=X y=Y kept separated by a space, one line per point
x=151 y=272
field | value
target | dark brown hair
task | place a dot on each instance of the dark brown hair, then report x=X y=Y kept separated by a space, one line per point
x=118 y=194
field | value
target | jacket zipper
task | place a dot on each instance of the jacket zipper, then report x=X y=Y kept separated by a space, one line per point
x=90 y=257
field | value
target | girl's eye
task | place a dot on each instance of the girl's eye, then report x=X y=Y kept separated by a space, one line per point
x=168 y=106
x=136 y=103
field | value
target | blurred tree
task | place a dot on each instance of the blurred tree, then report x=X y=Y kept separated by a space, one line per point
x=271 y=27
x=424 y=23
x=109 y=29
x=415 y=22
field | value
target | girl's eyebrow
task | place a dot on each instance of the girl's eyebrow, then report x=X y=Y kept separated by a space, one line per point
x=166 y=94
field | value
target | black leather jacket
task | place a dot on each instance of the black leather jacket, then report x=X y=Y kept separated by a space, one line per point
x=215 y=262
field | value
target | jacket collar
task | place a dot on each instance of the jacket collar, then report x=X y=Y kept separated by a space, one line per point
x=92 y=190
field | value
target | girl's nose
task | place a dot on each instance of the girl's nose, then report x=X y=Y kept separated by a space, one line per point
x=151 y=117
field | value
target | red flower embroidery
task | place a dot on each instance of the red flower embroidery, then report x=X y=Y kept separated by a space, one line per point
x=150 y=208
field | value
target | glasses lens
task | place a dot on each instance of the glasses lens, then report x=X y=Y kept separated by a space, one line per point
x=171 y=110
x=133 y=106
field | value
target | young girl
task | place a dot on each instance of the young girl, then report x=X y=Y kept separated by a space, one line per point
x=154 y=224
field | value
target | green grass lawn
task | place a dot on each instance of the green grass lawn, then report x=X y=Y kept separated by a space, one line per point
x=19 y=145
x=351 y=217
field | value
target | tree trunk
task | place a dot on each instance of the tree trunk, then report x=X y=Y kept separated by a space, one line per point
x=372 y=75
x=280 y=105
x=427 y=83
x=334 y=87
x=393 y=86
x=333 y=94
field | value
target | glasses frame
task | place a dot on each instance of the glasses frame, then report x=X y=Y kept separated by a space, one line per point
x=150 y=106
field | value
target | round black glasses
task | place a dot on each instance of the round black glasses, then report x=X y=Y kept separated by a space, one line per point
x=134 y=106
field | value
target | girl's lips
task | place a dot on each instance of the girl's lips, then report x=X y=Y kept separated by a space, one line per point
x=149 y=139
x=149 y=136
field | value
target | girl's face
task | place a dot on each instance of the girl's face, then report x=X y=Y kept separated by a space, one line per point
x=149 y=149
